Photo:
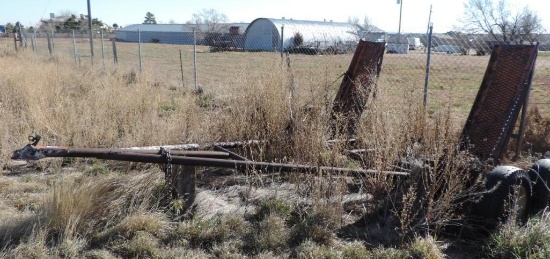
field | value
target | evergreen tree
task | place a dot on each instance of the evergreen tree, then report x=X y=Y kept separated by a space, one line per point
x=149 y=18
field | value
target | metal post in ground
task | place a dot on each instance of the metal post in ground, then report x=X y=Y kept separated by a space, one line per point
x=74 y=50
x=102 y=48
x=15 y=41
x=90 y=33
x=195 y=57
x=281 y=41
x=20 y=35
x=427 y=79
x=50 y=49
x=181 y=68
x=115 y=55
x=53 y=42
x=139 y=50
x=33 y=43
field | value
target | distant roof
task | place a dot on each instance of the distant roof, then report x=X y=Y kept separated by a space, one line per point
x=62 y=18
x=398 y=38
x=325 y=23
x=173 y=27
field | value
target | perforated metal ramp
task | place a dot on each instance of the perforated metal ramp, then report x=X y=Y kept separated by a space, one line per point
x=357 y=84
x=500 y=98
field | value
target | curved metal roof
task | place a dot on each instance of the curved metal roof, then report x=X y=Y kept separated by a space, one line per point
x=262 y=33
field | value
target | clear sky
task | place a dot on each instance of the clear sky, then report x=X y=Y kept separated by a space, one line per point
x=382 y=13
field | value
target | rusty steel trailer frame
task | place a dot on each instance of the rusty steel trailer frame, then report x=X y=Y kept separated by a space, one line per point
x=201 y=158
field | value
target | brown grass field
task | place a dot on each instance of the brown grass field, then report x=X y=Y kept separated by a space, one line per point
x=88 y=208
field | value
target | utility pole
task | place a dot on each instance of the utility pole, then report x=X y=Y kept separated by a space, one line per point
x=429 y=20
x=400 y=2
x=90 y=32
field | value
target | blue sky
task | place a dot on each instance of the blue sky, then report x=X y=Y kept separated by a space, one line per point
x=382 y=13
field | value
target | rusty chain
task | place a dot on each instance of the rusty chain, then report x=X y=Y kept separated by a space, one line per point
x=167 y=168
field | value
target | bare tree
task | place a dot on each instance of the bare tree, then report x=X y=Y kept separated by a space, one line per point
x=214 y=20
x=531 y=26
x=364 y=28
x=496 y=19
x=214 y=24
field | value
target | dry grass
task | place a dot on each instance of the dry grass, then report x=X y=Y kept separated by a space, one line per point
x=71 y=207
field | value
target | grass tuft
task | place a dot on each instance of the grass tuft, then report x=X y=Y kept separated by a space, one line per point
x=513 y=241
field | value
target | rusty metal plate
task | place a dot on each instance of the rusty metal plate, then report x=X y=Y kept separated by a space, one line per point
x=499 y=100
x=357 y=84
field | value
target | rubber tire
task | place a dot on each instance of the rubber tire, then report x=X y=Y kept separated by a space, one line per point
x=493 y=206
x=540 y=176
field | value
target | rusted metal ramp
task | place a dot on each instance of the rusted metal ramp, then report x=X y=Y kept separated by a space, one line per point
x=358 y=82
x=504 y=91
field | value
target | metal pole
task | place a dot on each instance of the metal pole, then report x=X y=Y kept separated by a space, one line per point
x=427 y=80
x=33 y=42
x=15 y=41
x=429 y=24
x=49 y=43
x=400 y=11
x=115 y=55
x=181 y=68
x=30 y=152
x=195 y=57
x=53 y=43
x=102 y=48
x=74 y=49
x=20 y=34
x=281 y=42
x=90 y=32
x=139 y=50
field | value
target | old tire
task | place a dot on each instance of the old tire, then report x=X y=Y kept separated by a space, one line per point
x=508 y=196
x=540 y=176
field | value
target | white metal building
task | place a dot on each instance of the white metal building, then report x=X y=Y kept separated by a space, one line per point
x=265 y=34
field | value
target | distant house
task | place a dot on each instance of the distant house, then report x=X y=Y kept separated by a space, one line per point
x=2 y=29
x=266 y=34
x=53 y=21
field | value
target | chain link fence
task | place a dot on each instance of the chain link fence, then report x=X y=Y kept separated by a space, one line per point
x=449 y=66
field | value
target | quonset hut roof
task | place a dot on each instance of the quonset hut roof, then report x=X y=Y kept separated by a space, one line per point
x=264 y=34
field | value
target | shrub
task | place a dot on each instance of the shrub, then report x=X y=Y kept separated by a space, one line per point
x=317 y=225
x=270 y=234
x=272 y=207
x=142 y=245
x=426 y=248
x=206 y=233
x=514 y=241
x=311 y=249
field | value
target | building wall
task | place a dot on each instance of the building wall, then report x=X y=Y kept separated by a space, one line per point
x=183 y=38
x=262 y=34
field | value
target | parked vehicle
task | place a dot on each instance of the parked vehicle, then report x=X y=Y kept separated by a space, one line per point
x=415 y=43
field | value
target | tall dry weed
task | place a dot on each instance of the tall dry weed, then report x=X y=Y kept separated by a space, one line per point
x=89 y=107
